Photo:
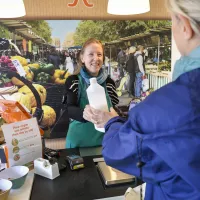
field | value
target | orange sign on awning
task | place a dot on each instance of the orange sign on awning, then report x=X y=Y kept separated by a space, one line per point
x=24 y=44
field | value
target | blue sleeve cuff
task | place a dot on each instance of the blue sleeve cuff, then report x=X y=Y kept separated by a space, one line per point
x=113 y=120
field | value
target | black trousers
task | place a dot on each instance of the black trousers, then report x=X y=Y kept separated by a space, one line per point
x=121 y=71
x=132 y=83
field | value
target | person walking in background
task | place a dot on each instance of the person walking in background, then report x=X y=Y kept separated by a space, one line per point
x=62 y=57
x=106 y=64
x=121 y=59
x=145 y=54
x=131 y=69
x=54 y=58
x=69 y=63
x=141 y=71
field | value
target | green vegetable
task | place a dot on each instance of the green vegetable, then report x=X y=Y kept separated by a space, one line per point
x=35 y=70
x=4 y=80
x=48 y=68
x=43 y=77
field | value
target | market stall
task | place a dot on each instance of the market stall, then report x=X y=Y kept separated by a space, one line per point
x=158 y=45
x=48 y=81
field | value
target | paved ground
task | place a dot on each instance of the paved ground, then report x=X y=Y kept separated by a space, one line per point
x=124 y=99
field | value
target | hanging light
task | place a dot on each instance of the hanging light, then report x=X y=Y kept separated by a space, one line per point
x=128 y=7
x=12 y=8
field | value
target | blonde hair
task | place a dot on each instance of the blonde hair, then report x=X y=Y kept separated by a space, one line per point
x=140 y=47
x=187 y=8
x=87 y=43
x=132 y=49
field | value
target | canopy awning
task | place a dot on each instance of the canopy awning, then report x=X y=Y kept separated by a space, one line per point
x=152 y=32
x=75 y=47
x=22 y=29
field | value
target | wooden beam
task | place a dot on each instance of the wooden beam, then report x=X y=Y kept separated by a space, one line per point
x=54 y=9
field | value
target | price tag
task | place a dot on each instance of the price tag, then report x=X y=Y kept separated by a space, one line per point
x=19 y=68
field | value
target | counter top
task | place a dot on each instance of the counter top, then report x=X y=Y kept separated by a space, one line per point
x=24 y=192
x=84 y=184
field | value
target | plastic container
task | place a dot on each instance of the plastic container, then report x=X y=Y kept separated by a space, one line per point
x=97 y=98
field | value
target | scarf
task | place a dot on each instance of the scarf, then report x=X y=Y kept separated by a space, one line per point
x=187 y=63
x=101 y=78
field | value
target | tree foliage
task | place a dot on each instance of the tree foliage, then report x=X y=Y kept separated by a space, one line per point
x=4 y=33
x=41 y=28
x=109 y=30
x=69 y=40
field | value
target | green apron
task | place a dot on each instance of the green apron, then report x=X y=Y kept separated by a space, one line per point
x=84 y=134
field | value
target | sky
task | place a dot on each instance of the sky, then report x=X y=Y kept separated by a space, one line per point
x=61 y=27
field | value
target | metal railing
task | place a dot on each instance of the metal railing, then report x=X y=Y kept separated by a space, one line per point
x=158 y=79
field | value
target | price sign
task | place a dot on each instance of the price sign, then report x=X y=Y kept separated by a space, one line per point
x=23 y=141
x=19 y=67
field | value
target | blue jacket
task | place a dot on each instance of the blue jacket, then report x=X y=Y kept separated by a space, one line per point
x=55 y=60
x=169 y=122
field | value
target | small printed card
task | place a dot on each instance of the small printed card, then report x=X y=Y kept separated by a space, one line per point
x=19 y=67
x=23 y=141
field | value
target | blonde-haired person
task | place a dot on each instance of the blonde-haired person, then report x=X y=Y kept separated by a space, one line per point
x=131 y=66
x=81 y=132
x=162 y=133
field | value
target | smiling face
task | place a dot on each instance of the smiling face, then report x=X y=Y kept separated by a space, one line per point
x=92 y=57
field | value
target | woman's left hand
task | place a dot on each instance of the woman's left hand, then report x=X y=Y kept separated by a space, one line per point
x=98 y=117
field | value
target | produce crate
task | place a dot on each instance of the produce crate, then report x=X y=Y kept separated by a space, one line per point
x=54 y=99
x=54 y=96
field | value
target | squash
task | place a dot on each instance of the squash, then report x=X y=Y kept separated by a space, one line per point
x=36 y=65
x=49 y=116
x=60 y=76
x=29 y=76
x=22 y=60
x=22 y=99
x=35 y=68
x=41 y=90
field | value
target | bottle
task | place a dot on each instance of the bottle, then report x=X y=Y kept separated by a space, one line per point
x=97 y=98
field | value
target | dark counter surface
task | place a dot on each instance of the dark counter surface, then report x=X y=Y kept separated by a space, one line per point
x=84 y=184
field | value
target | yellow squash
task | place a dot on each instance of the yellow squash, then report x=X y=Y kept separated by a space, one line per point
x=29 y=76
x=22 y=99
x=60 y=76
x=41 y=90
x=22 y=60
x=49 y=116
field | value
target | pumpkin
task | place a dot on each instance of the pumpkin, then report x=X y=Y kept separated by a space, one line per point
x=41 y=91
x=29 y=76
x=49 y=116
x=60 y=76
x=22 y=99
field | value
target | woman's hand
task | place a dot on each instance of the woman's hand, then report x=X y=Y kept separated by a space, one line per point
x=98 y=117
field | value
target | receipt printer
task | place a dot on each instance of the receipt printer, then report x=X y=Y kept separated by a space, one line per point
x=43 y=167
